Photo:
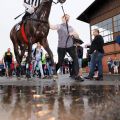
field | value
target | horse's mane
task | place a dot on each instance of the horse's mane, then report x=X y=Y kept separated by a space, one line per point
x=37 y=9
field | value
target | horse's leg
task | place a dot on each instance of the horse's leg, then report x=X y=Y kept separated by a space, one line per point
x=18 y=59
x=13 y=36
x=14 y=39
x=22 y=48
x=17 y=53
x=48 y=50
x=29 y=57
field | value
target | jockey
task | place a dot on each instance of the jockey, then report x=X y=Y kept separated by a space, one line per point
x=30 y=6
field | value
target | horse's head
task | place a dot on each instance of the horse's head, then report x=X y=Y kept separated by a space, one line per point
x=61 y=1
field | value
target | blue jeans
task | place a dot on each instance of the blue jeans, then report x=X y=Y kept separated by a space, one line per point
x=96 y=59
x=49 y=68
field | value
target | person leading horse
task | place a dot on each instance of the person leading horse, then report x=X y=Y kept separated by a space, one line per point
x=36 y=29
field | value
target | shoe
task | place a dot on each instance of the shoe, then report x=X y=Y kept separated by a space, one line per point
x=72 y=76
x=88 y=77
x=78 y=78
x=43 y=77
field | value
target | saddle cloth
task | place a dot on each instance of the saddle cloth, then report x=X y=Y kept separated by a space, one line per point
x=25 y=39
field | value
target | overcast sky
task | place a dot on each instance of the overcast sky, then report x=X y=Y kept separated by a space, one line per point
x=11 y=8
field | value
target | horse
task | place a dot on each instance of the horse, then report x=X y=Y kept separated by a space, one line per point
x=36 y=28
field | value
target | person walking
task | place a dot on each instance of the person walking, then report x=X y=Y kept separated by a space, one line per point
x=8 y=58
x=97 y=52
x=38 y=59
x=65 y=44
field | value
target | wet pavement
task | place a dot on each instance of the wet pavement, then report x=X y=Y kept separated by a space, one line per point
x=64 y=99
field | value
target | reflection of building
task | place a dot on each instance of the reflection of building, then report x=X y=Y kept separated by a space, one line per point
x=105 y=15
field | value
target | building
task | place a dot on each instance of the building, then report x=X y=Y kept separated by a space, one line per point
x=105 y=15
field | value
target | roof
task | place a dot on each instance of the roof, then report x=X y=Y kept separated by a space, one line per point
x=87 y=14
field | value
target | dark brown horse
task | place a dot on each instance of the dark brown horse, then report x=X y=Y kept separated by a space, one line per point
x=36 y=29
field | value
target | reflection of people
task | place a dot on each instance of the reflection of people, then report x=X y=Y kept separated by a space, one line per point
x=96 y=51
x=65 y=44
x=30 y=6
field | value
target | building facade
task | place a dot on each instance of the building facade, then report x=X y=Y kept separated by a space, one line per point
x=105 y=16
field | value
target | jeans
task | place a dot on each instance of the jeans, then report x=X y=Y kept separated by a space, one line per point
x=80 y=62
x=7 y=65
x=39 y=63
x=96 y=59
x=73 y=53
x=110 y=67
x=49 y=68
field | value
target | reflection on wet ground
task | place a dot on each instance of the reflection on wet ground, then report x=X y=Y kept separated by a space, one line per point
x=63 y=102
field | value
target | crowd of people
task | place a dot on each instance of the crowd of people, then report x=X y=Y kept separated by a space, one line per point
x=41 y=63
x=40 y=66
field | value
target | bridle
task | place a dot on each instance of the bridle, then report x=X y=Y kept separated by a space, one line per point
x=43 y=21
x=58 y=2
x=55 y=2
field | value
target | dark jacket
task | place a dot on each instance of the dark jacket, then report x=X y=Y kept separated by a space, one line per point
x=8 y=57
x=97 y=44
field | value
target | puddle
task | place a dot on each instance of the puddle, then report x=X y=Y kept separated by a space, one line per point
x=63 y=102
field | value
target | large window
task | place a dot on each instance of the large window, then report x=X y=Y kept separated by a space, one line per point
x=106 y=29
x=117 y=23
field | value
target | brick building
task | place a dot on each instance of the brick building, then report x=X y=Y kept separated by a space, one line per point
x=105 y=16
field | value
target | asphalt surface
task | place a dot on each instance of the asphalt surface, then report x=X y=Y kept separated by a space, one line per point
x=62 y=80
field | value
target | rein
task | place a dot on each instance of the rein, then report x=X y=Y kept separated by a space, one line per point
x=55 y=2
x=37 y=20
x=67 y=29
x=19 y=15
x=66 y=26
